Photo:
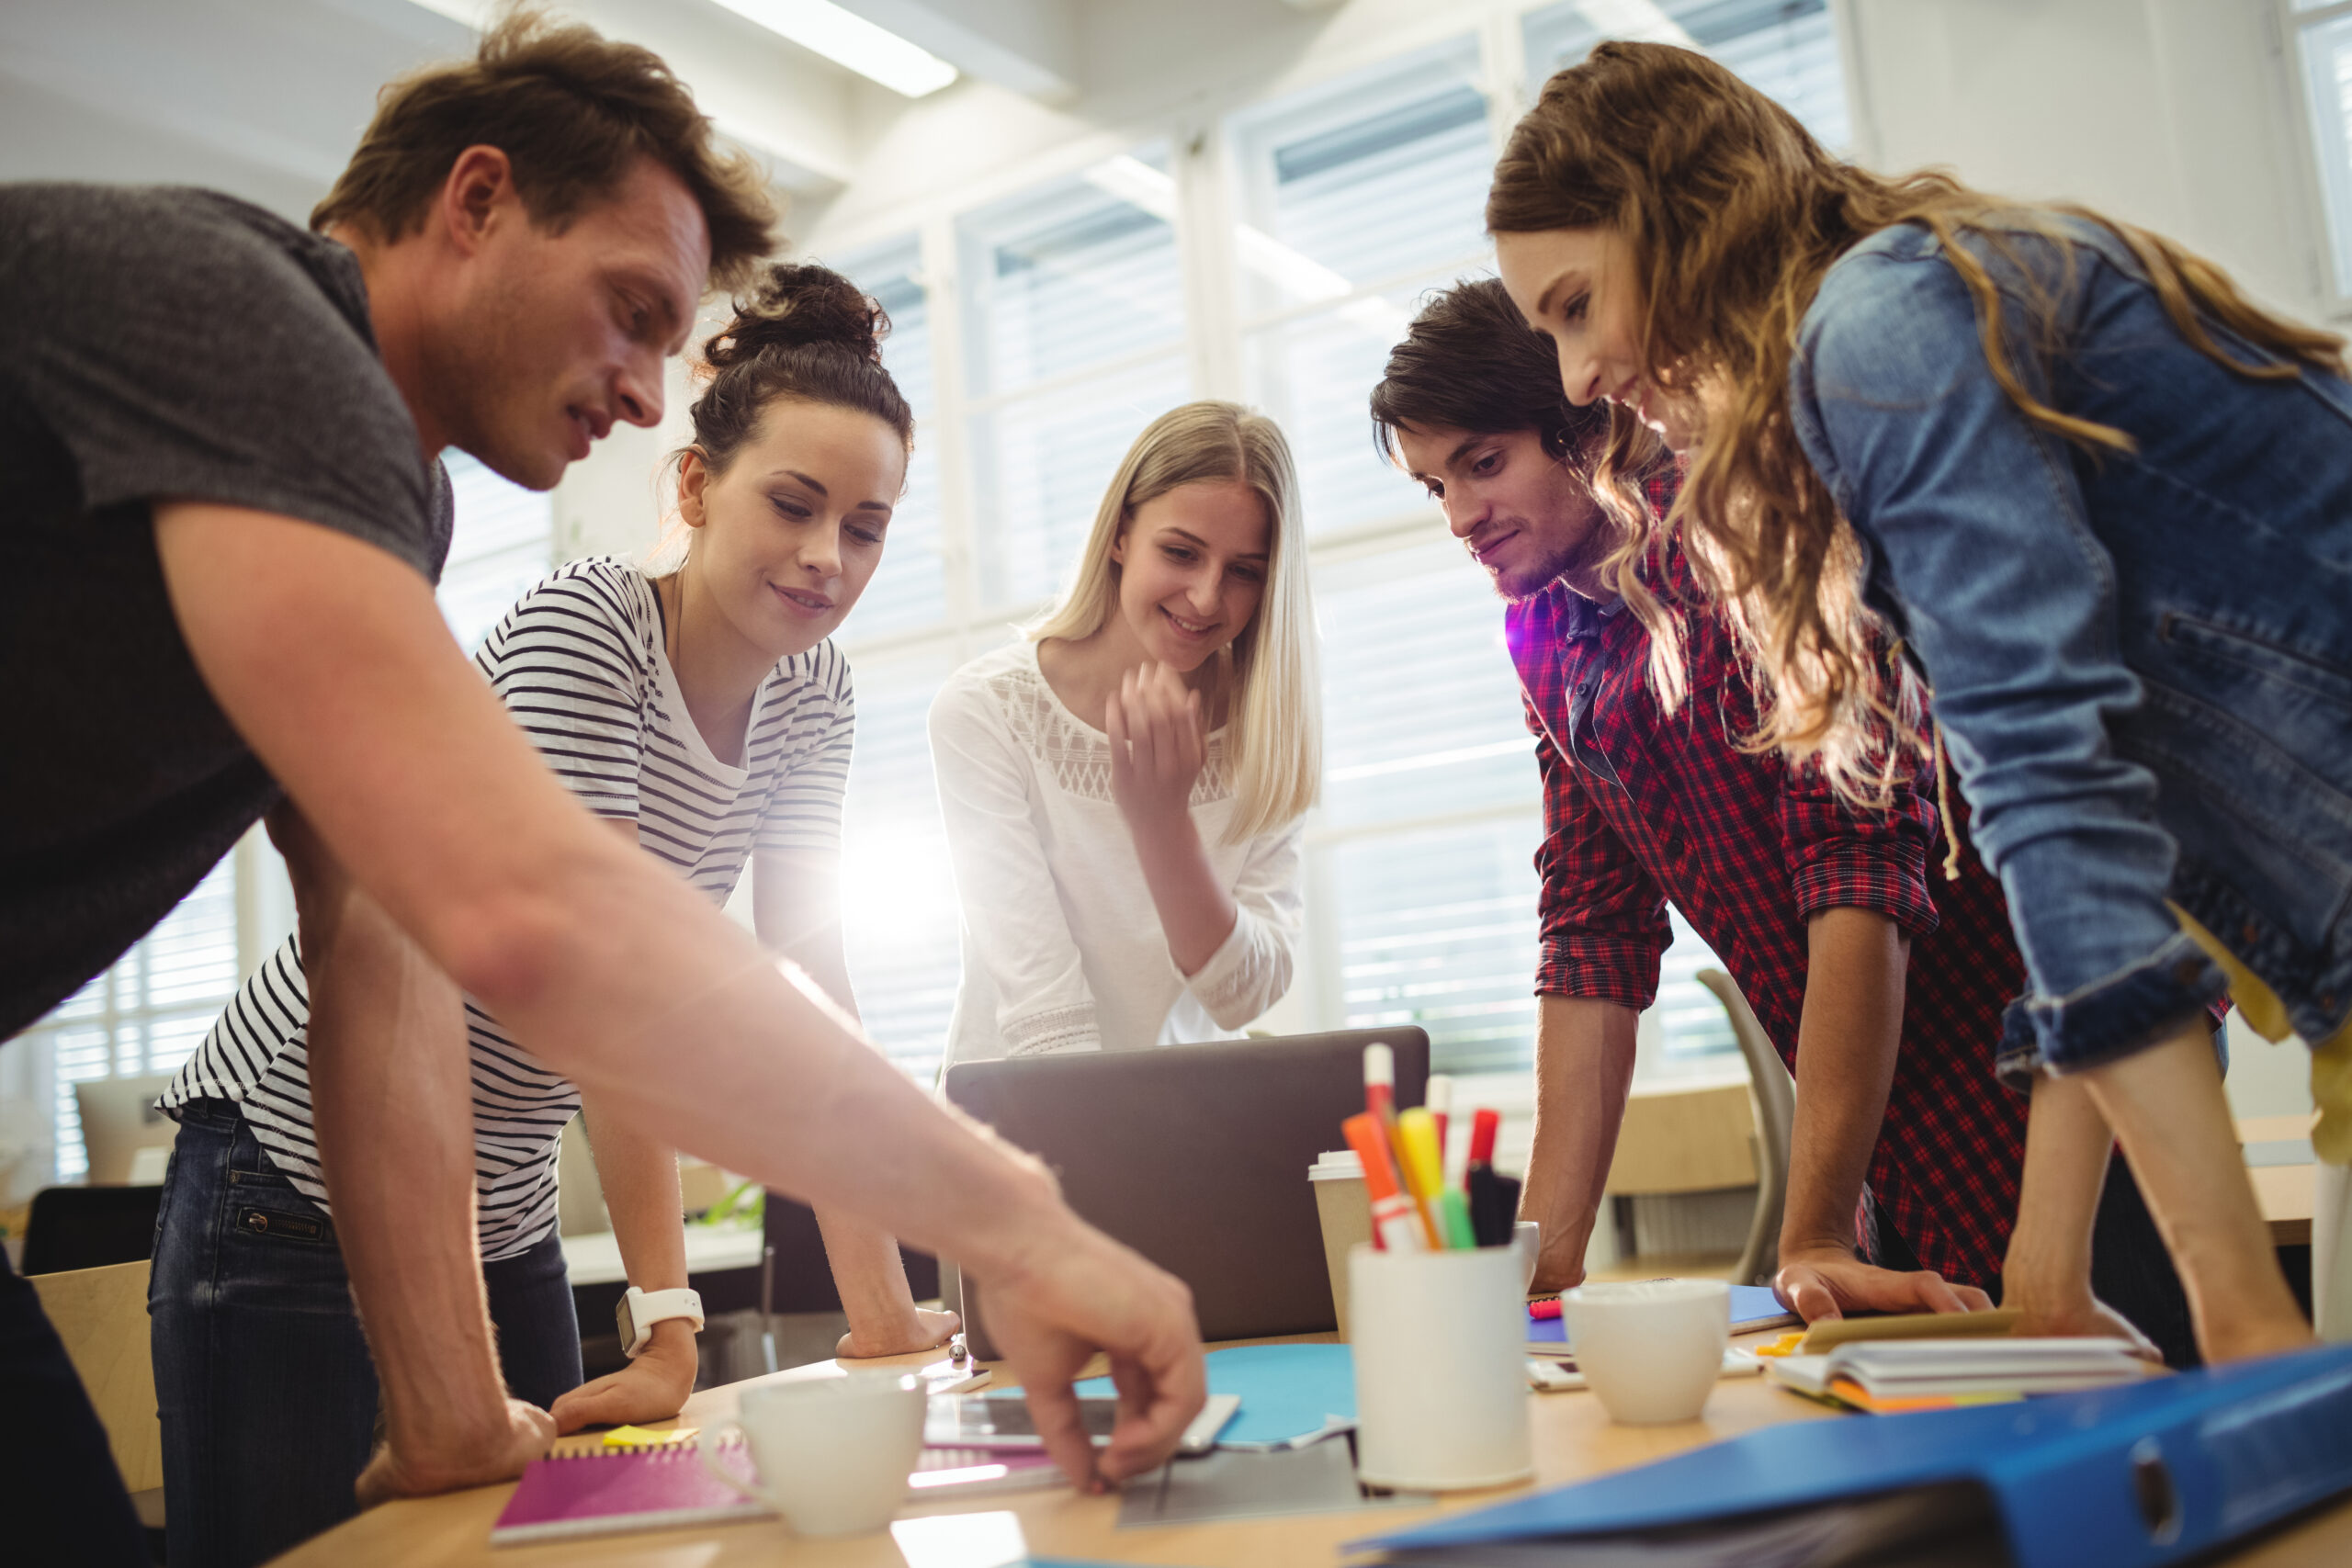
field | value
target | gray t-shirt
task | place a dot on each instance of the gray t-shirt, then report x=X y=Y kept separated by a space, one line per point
x=157 y=343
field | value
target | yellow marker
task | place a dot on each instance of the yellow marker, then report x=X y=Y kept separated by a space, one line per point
x=639 y=1438
x=1424 y=1166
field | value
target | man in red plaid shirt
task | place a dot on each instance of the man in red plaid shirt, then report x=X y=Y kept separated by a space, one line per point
x=1893 y=1049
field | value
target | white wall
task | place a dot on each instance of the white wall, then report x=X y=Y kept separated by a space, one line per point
x=2176 y=115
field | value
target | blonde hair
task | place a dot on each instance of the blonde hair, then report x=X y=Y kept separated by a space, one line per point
x=1274 y=730
x=1735 y=215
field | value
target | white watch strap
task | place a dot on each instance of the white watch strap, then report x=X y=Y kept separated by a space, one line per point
x=646 y=1308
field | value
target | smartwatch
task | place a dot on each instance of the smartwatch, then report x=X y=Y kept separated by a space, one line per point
x=640 y=1310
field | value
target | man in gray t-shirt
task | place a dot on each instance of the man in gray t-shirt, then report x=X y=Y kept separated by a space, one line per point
x=224 y=566
x=158 y=342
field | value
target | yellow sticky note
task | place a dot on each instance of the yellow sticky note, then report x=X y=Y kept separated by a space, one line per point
x=1786 y=1345
x=638 y=1438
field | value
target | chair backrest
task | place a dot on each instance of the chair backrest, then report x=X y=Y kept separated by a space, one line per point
x=1776 y=1110
x=89 y=1228
x=101 y=1317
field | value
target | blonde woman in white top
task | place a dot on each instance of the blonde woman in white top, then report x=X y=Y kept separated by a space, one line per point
x=1123 y=788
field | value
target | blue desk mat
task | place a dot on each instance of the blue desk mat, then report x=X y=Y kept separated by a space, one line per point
x=1286 y=1390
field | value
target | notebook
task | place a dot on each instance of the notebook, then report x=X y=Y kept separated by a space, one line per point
x=1291 y=1395
x=614 y=1492
x=1752 y=1307
x=1890 y=1375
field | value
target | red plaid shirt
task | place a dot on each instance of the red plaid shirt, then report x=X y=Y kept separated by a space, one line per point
x=1642 y=807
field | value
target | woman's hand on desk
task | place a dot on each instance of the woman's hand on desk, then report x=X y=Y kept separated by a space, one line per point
x=449 y=1460
x=651 y=1388
x=926 y=1330
x=1828 y=1281
x=1077 y=1292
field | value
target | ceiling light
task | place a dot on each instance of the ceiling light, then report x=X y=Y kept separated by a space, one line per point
x=846 y=39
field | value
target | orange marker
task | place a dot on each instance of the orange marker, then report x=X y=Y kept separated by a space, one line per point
x=1396 y=1220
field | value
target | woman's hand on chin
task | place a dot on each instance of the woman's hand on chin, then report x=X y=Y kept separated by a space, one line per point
x=1159 y=745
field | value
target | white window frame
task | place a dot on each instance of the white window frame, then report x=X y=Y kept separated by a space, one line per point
x=2290 y=22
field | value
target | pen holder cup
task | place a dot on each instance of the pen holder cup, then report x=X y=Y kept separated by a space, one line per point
x=1441 y=1395
x=1346 y=1213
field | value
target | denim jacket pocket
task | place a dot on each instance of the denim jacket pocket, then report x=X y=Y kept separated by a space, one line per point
x=2258 y=655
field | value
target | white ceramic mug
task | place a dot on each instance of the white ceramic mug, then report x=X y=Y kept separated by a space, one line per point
x=833 y=1454
x=1441 y=1390
x=1527 y=1236
x=1650 y=1349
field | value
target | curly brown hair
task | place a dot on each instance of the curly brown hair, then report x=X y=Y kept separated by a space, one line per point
x=573 y=111
x=1735 y=214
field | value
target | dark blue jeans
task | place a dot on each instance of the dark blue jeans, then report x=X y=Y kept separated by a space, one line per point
x=262 y=1376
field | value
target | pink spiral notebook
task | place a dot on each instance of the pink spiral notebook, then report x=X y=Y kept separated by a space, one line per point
x=617 y=1491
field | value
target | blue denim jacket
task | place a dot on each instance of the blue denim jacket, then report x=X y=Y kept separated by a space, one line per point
x=2142 y=661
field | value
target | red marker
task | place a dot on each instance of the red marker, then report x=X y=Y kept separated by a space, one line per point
x=1482 y=1128
x=1395 y=1222
x=1380 y=1085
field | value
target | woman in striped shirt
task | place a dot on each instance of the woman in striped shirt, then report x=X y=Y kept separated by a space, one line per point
x=706 y=715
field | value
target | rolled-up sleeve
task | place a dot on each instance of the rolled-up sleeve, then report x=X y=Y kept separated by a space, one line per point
x=2010 y=599
x=1603 y=918
x=1841 y=856
x=1253 y=970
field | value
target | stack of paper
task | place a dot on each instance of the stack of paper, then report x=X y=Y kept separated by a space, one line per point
x=1936 y=1374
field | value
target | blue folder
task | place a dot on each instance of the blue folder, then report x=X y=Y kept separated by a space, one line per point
x=2126 y=1477
x=1287 y=1391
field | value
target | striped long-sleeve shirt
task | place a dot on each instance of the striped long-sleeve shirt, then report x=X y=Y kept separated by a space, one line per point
x=578 y=663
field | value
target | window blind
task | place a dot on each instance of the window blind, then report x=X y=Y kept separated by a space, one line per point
x=1075 y=341
x=1787 y=48
x=909 y=589
x=1356 y=197
x=899 y=918
x=502 y=543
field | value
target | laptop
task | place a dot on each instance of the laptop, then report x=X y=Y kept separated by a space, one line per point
x=1196 y=1157
x=119 y=1123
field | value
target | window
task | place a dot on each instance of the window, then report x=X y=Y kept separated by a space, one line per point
x=1788 y=49
x=503 y=543
x=899 y=918
x=2324 y=43
x=1355 y=200
x=911 y=589
x=1074 y=342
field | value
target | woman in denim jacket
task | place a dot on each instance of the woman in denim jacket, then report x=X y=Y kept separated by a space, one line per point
x=2107 y=504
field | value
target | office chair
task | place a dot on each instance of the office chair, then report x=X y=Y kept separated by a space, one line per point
x=1776 y=1103
x=90 y=1227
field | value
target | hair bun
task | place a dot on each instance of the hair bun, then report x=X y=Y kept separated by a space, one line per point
x=797 y=306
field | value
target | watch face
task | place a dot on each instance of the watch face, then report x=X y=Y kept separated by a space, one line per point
x=628 y=1329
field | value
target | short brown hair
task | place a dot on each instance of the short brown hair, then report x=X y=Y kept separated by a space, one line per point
x=573 y=111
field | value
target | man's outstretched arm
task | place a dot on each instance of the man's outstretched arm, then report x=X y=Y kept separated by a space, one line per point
x=334 y=663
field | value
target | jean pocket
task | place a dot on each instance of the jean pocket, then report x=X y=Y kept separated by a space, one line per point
x=280 y=1224
x=2309 y=671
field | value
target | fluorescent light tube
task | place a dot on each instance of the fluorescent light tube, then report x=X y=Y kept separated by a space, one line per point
x=847 y=39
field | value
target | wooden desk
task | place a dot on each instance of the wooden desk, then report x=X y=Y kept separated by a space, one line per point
x=2288 y=1192
x=1574 y=1439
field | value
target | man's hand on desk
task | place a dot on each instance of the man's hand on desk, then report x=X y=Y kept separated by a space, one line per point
x=651 y=1388
x=1827 y=1282
x=1077 y=1292
x=497 y=1453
